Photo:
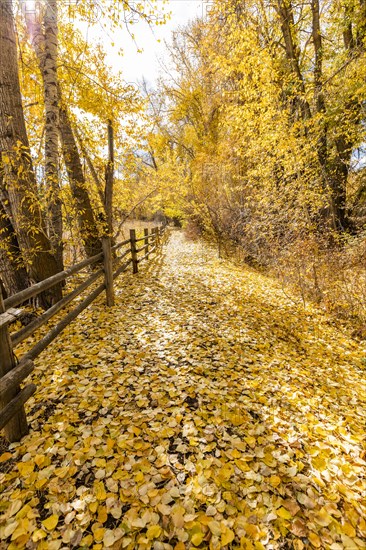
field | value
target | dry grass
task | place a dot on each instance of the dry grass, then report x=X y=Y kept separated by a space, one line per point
x=138 y=225
x=334 y=278
x=73 y=250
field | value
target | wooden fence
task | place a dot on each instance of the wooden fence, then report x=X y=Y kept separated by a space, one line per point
x=12 y=372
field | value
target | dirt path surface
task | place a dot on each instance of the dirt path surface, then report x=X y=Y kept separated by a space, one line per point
x=205 y=410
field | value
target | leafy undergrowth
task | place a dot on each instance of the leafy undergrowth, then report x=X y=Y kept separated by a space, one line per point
x=204 y=410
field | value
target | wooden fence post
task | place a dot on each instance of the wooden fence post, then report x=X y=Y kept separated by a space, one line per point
x=17 y=426
x=109 y=180
x=157 y=231
x=108 y=270
x=108 y=203
x=135 y=267
x=153 y=231
x=146 y=241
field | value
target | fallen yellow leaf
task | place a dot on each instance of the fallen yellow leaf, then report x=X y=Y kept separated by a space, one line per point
x=51 y=522
x=227 y=536
x=153 y=532
x=197 y=538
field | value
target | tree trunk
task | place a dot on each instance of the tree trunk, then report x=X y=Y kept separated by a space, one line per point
x=87 y=226
x=285 y=13
x=17 y=167
x=57 y=120
x=318 y=85
x=45 y=44
x=354 y=36
x=91 y=166
x=334 y=175
x=12 y=271
x=51 y=101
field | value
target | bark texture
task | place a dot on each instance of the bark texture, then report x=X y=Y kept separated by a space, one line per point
x=45 y=44
x=12 y=271
x=13 y=274
x=58 y=123
x=16 y=164
x=87 y=225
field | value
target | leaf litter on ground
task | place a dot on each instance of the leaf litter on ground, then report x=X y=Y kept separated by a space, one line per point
x=204 y=410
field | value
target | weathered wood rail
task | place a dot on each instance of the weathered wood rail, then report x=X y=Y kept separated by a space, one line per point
x=12 y=371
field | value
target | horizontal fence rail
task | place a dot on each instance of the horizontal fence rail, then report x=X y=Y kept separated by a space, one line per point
x=36 y=289
x=12 y=373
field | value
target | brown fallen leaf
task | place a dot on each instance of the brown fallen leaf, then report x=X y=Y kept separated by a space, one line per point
x=298 y=528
